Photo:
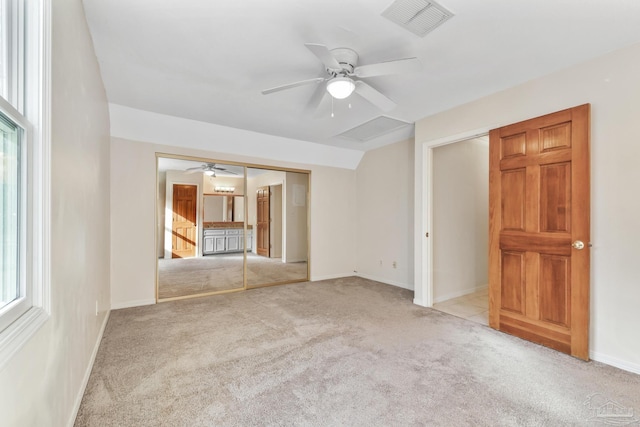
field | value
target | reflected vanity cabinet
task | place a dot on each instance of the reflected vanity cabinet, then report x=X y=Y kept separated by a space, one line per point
x=221 y=240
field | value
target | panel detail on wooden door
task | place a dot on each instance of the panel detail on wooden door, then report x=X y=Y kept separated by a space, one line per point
x=183 y=225
x=263 y=222
x=539 y=203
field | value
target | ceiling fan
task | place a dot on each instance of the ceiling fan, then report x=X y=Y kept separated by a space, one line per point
x=343 y=76
x=209 y=169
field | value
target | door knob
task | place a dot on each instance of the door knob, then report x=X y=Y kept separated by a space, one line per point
x=578 y=244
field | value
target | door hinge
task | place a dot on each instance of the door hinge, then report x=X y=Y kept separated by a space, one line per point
x=426 y=235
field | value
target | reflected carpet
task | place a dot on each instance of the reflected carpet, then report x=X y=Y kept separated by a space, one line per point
x=211 y=273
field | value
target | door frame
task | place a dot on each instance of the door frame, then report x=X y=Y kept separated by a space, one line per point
x=423 y=211
x=275 y=220
x=196 y=245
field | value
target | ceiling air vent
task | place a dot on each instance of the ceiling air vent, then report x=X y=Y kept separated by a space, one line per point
x=418 y=16
x=374 y=128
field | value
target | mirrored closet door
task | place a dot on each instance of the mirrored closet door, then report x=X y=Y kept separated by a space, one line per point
x=201 y=228
x=224 y=227
x=277 y=213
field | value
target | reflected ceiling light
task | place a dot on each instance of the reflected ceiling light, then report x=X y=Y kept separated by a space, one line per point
x=341 y=87
x=225 y=189
x=209 y=173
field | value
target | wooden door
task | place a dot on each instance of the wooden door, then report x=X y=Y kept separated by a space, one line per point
x=263 y=220
x=183 y=226
x=539 y=205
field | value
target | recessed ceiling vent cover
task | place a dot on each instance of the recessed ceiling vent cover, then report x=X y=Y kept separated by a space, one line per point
x=374 y=128
x=418 y=16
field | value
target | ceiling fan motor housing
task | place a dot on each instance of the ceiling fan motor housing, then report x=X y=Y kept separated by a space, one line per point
x=347 y=58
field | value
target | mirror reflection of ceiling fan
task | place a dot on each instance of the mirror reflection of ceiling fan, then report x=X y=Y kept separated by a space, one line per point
x=209 y=169
x=343 y=76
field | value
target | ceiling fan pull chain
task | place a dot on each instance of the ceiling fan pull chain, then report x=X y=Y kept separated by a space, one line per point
x=332 y=107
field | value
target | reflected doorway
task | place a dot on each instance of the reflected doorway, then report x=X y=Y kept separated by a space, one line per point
x=208 y=198
x=278 y=211
x=183 y=222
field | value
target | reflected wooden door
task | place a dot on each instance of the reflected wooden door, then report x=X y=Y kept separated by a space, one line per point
x=183 y=225
x=263 y=220
x=539 y=220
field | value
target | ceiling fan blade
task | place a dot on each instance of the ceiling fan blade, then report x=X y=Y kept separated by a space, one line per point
x=399 y=66
x=324 y=55
x=316 y=98
x=212 y=166
x=292 y=85
x=374 y=96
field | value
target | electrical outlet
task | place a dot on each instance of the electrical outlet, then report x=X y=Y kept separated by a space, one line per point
x=394 y=264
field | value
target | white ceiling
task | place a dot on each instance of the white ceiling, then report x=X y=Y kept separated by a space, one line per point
x=209 y=60
x=231 y=171
x=169 y=163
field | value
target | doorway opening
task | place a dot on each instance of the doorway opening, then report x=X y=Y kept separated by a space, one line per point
x=460 y=228
x=539 y=198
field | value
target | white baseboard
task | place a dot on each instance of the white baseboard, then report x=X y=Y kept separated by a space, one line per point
x=615 y=362
x=129 y=304
x=87 y=373
x=331 y=276
x=459 y=293
x=419 y=302
x=384 y=280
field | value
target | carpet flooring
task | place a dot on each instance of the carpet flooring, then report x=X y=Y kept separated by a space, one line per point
x=344 y=352
x=211 y=273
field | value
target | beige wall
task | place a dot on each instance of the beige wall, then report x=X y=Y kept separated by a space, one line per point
x=42 y=384
x=133 y=260
x=210 y=183
x=385 y=214
x=214 y=208
x=610 y=83
x=460 y=218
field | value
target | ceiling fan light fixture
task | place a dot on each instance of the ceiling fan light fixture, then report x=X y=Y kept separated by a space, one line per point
x=340 y=87
x=209 y=173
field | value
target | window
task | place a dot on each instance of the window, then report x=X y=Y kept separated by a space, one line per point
x=10 y=211
x=11 y=217
x=24 y=171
